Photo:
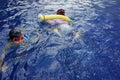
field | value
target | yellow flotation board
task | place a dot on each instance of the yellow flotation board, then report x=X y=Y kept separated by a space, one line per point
x=54 y=16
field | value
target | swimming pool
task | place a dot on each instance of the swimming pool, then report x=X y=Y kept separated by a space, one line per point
x=46 y=56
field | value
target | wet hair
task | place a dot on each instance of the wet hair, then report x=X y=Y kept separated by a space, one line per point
x=14 y=34
x=60 y=12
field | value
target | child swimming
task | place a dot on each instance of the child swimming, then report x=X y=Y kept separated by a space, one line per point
x=59 y=23
x=15 y=38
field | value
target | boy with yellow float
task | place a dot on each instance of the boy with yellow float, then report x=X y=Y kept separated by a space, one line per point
x=59 y=18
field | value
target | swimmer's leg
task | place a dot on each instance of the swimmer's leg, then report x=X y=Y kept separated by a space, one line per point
x=3 y=67
x=57 y=31
x=76 y=35
x=2 y=64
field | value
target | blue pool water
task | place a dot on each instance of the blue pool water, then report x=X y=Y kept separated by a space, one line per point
x=95 y=55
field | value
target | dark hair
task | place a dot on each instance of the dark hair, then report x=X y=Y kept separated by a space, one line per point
x=60 y=12
x=14 y=34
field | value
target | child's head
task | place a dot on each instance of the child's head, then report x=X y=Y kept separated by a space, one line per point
x=16 y=36
x=60 y=12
